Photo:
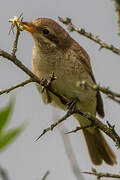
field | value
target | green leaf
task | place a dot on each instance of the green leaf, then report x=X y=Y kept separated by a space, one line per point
x=8 y=137
x=5 y=114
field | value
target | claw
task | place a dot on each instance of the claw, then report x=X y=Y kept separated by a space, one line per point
x=72 y=105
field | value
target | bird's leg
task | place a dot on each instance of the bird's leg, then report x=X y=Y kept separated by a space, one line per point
x=71 y=105
x=44 y=83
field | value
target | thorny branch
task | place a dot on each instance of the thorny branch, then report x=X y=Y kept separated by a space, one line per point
x=15 y=22
x=16 y=86
x=55 y=124
x=96 y=39
x=100 y=175
x=14 y=49
x=79 y=128
x=107 y=129
x=111 y=128
x=110 y=94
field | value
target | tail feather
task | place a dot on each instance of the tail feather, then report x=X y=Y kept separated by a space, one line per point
x=98 y=148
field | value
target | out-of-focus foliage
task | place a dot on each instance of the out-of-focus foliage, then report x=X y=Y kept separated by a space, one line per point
x=7 y=136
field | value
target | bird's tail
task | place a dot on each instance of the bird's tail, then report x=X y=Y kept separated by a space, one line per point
x=98 y=148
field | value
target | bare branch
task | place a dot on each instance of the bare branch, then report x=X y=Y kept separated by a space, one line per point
x=110 y=127
x=16 y=23
x=94 y=38
x=55 y=124
x=46 y=175
x=101 y=175
x=109 y=130
x=79 y=128
x=14 y=49
x=110 y=94
x=16 y=86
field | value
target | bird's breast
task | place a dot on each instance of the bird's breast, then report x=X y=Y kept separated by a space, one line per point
x=68 y=71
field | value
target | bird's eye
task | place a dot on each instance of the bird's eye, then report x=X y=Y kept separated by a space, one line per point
x=45 y=31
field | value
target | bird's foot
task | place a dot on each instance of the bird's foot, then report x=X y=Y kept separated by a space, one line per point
x=71 y=105
x=47 y=82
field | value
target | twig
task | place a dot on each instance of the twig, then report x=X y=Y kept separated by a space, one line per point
x=14 y=49
x=112 y=128
x=110 y=94
x=101 y=175
x=107 y=130
x=94 y=38
x=114 y=99
x=94 y=120
x=16 y=86
x=16 y=22
x=79 y=128
x=55 y=124
x=46 y=175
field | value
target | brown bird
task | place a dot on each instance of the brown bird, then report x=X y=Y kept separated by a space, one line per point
x=55 y=51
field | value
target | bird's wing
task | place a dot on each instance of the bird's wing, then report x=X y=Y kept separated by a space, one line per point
x=86 y=61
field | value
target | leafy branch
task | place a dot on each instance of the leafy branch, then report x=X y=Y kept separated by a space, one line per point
x=6 y=137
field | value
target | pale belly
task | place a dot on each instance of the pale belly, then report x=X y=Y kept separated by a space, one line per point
x=65 y=84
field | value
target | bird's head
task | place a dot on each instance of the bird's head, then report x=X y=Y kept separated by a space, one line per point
x=47 y=32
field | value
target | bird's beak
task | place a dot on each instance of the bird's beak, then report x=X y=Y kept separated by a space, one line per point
x=29 y=26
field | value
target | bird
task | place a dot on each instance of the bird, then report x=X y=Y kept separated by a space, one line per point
x=55 y=51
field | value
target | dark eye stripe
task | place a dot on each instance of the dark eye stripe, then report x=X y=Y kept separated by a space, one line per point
x=53 y=38
x=49 y=35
